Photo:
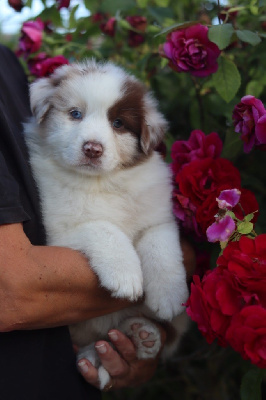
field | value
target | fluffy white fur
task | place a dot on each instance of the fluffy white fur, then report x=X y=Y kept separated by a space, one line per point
x=116 y=208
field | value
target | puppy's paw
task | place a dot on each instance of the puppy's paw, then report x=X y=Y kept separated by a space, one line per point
x=166 y=298
x=126 y=283
x=145 y=336
x=91 y=355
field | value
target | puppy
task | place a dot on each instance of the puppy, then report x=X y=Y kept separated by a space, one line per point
x=106 y=192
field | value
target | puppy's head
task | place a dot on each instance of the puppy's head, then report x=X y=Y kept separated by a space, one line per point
x=95 y=117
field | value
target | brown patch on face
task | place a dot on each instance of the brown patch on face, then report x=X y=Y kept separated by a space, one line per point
x=129 y=110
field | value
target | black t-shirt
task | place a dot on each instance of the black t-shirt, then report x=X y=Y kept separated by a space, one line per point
x=39 y=364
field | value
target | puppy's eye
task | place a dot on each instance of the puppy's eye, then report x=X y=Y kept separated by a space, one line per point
x=76 y=114
x=118 y=123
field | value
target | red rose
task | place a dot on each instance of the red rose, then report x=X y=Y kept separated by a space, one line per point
x=42 y=65
x=31 y=38
x=190 y=50
x=139 y=23
x=202 y=178
x=212 y=302
x=198 y=146
x=249 y=117
x=108 y=27
x=16 y=4
x=62 y=4
x=246 y=260
x=247 y=334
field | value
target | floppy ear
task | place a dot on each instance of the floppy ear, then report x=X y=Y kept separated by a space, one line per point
x=42 y=90
x=154 y=125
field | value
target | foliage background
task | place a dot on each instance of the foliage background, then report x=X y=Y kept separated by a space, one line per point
x=199 y=371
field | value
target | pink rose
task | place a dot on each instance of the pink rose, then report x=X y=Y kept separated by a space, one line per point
x=31 y=38
x=190 y=50
x=247 y=334
x=249 y=117
x=43 y=65
x=198 y=146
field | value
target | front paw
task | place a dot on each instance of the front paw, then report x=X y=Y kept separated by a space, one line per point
x=166 y=298
x=124 y=283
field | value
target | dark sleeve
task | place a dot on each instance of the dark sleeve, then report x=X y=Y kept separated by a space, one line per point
x=11 y=210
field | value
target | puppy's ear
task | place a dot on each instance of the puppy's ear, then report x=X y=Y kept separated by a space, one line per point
x=41 y=92
x=154 y=125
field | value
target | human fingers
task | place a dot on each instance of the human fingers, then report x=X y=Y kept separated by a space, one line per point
x=111 y=360
x=89 y=372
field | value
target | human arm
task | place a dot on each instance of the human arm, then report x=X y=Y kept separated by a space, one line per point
x=44 y=286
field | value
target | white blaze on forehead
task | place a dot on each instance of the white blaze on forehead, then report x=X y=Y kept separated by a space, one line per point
x=98 y=90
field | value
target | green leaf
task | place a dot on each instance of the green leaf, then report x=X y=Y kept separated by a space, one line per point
x=248 y=37
x=72 y=18
x=233 y=145
x=142 y=3
x=221 y=35
x=245 y=227
x=254 y=88
x=231 y=214
x=249 y=217
x=251 y=385
x=162 y=3
x=227 y=79
x=179 y=25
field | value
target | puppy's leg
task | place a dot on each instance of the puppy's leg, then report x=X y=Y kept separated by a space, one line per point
x=163 y=270
x=91 y=355
x=111 y=256
x=144 y=334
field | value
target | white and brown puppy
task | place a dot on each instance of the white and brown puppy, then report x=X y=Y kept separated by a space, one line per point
x=106 y=192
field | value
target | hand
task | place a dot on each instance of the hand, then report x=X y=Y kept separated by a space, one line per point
x=121 y=363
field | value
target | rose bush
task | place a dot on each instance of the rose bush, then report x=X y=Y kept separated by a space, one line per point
x=217 y=69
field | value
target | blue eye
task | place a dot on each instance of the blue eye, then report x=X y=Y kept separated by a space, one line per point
x=76 y=114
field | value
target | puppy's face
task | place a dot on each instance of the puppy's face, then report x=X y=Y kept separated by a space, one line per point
x=95 y=118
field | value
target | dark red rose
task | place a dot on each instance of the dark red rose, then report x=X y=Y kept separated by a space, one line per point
x=246 y=260
x=198 y=146
x=16 y=4
x=108 y=28
x=43 y=65
x=31 y=38
x=202 y=178
x=99 y=17
x=249 y=117
x=139 y=23
x=190 y=50
x=62 y=4
x=185 y=212
x=247 y=334
x=212 y=303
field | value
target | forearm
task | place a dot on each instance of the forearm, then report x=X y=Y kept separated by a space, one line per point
x=47 y=286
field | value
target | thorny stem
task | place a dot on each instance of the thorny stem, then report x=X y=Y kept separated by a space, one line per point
x=199 y=99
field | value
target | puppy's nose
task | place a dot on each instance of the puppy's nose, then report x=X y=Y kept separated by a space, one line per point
x=92 y=149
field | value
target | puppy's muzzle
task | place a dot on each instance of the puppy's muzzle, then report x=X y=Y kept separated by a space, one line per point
x=92 y=149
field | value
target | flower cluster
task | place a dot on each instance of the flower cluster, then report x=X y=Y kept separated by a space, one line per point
x=229 y=304
x=30 y=41
x=249 y=118
x=200 y=175
x=190 y=50
x=136 y=35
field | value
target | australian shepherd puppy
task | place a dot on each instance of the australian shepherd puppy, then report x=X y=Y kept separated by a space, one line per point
x=106 y=192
